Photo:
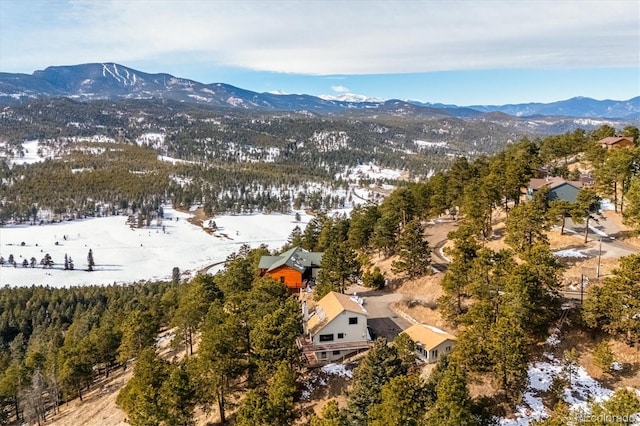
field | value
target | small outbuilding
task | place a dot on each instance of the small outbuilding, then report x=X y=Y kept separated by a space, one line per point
x=431 y=342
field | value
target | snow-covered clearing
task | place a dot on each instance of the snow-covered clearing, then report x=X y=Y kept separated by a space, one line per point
x=123 y=254
x=427 y=144
x=368 y=171
x=31 y=155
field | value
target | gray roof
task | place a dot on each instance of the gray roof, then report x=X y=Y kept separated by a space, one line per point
x=296 y=258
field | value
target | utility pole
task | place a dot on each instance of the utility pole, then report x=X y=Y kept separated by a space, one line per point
x=599 y=257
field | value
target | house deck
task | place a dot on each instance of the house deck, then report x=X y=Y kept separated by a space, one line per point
x=308 y=347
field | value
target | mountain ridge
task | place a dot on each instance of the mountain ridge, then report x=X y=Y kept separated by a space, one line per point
x=114 y=81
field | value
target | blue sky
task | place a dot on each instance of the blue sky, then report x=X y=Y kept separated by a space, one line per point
x=458 y=52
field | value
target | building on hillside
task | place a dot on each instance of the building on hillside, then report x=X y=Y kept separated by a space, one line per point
x=613 y=142
x=558 y=188
x=431 y=342
x=336 y=328
x=295 y=268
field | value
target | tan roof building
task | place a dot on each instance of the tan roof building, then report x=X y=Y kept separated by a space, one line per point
x=431 y=342
x=337 y=327
x=612 y=142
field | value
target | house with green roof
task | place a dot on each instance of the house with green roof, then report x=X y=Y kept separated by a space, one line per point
x=295 y=268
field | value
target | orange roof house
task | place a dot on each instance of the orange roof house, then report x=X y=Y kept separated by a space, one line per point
x=613 y=142
x=294 y=268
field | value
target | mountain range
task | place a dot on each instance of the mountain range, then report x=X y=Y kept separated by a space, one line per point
x=113 y=81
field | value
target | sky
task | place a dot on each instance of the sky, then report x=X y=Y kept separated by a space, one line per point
x=454 y=52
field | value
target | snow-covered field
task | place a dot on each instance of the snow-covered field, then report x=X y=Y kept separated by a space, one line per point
x=123 y=254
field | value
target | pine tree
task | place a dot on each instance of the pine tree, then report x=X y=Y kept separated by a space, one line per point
x=141 y=397
x=570 y=365
x=379 y=366
x=603 y=356
x=295 y=238
x=221 y=358
x=273 y=337
x=527 y=224
x=403 y=403
x=66 y=262
x=615 y=305
x=177 y=396
x=90 y=262
x=71 y=266
x=453 y=406
x=588 y=203
x=414 y=253
x=332 y=415
x=339 y=265
x=632 y=212
x=507 y=348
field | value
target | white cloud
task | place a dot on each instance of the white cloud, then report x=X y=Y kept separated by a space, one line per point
x=324 y=37
x=340 y=89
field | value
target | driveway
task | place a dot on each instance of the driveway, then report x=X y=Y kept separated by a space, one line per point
x=604 y=231
x=381 y=318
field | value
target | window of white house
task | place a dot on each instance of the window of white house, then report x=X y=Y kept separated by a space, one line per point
x=353 y=320
x=340 y=335
x=434 y=353
x=326 y=337
x=448 y=349
x=323 y=355
x=336 y=352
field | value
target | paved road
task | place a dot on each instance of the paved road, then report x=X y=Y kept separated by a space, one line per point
x=437 y=235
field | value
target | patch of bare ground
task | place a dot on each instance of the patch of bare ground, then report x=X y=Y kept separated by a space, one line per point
x=420 y=300
x=324 y=388
x=625 y=234
x=585 y=341
x=98 y=406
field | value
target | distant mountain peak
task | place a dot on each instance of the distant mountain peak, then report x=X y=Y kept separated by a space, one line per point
x=350 y=97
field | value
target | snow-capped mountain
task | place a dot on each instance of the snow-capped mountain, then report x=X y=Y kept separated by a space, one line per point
x=351 y=97
x=113 y=81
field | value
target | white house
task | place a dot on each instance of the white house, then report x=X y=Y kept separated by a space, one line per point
x=431 y=342
x=336 y=328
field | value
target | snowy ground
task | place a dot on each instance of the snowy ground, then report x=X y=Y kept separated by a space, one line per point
x=125 y=255
x=573 y=253
x=541 y=373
